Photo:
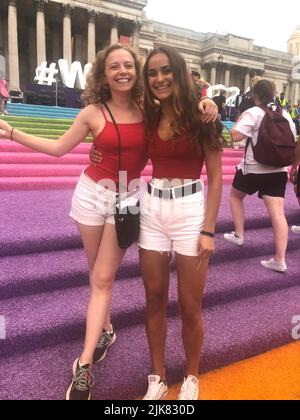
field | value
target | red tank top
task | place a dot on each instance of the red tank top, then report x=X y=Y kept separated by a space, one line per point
x=175 y=159
x=134 y=150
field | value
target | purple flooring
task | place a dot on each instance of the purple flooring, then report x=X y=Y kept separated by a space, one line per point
x=44 y=293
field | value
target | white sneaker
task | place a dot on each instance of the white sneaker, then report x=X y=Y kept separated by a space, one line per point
x=190 y=389
x=157 y=389
x=295 y=229
x=281 y=267
x=233 y=239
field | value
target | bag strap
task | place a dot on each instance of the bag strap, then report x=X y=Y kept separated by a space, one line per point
x=119 y=137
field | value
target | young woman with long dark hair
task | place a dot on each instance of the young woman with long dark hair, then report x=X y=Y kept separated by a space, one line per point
x=175 y=218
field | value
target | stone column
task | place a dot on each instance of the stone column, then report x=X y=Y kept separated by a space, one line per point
x=40 y=31
x=2 y=57
x=13 y=47
x=91 y=54
x=78 y=47
x=56 y=44
x=247 y=80
x=67 y=39
x=114 y=36
x=287 y=90
x=1 y=36
x=213 y=74
x=137 y=26
x=227 y=76
x=297 y=94
x=32 y=49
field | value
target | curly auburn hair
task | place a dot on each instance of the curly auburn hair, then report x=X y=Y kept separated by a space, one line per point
x=185 y=105
x=96 y=90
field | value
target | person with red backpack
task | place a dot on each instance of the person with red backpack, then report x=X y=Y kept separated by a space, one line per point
x=270 y=150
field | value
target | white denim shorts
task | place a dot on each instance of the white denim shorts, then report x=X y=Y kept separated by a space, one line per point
x=93 y=204
x=172 y=225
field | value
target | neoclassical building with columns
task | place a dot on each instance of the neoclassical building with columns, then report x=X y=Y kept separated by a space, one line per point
x=33 y=31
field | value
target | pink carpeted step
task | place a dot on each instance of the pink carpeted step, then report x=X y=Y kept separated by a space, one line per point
x=37 y=183
x=39 y=158
x=20 y=170
x=58 y=183
x=68 y=168
x=227 y=161
x=10 y=146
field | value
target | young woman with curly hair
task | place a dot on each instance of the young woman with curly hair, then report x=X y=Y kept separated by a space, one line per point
x=174 y=216
x=115 y=81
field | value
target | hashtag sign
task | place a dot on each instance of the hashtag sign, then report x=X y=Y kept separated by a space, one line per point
x=2 y=328
x=46 y=75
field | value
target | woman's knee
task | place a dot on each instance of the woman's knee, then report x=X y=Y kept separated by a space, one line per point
x=156 y=300
x=191 y=313
x=102 y=280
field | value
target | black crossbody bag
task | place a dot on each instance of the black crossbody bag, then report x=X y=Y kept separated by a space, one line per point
x=127 y=219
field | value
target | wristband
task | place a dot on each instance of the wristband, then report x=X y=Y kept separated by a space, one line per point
x=209 y=234
x=11 y=134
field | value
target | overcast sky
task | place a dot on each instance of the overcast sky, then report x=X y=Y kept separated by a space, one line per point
x=268 y=22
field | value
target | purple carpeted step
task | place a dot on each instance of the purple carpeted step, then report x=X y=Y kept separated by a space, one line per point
x=23 y=275
x=30 y=273
x=38 y=221
x=228 y=282
x=258 y=241
x=235 y=331
x=34 y=221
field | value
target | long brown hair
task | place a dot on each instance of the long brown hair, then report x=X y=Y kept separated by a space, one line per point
x=185 y=105
x=96 y=90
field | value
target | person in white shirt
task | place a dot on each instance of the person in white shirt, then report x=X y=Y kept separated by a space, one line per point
x=252 y=177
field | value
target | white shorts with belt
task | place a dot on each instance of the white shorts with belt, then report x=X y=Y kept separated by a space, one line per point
x=172 y=225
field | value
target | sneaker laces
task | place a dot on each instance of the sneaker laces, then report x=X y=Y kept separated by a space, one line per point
x=189 y=387
x=153 y=390
x=84 y=379
x=104 y=340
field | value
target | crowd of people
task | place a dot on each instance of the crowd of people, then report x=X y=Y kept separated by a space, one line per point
x=243 y=101
x=158 y=116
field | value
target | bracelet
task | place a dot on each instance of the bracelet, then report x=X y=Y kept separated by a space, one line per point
x=209 y=234
x=11 y=134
